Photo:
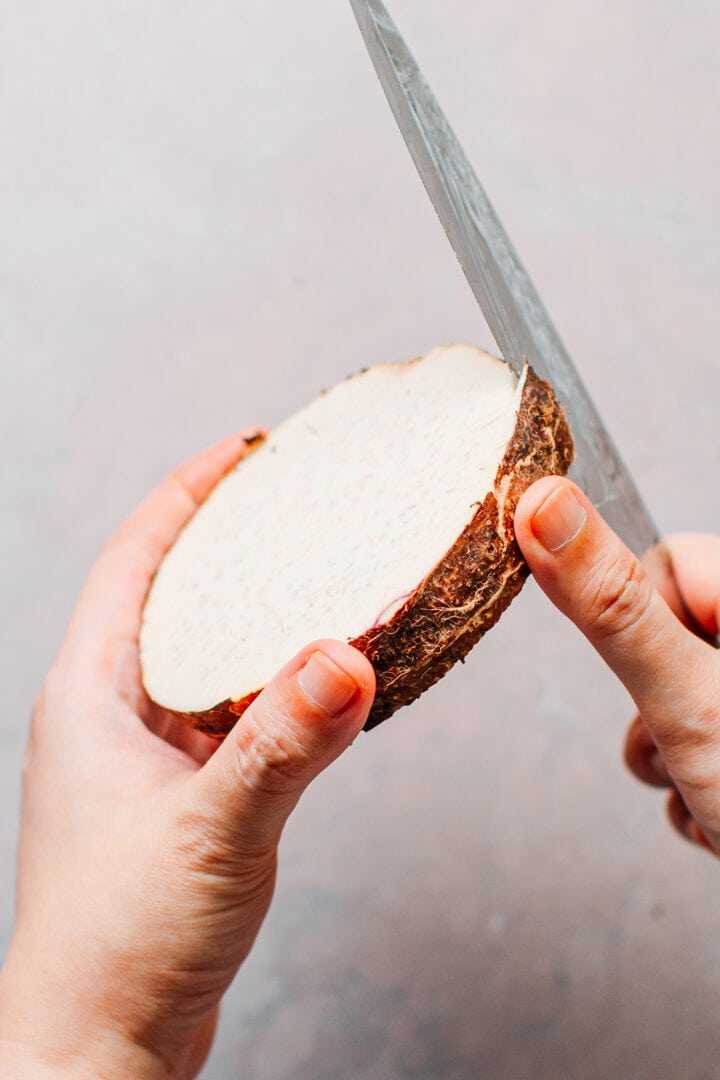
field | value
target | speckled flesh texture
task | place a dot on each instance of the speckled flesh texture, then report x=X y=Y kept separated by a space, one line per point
x=465 y=593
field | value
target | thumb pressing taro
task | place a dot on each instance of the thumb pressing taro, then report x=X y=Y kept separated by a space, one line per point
x=381 y=514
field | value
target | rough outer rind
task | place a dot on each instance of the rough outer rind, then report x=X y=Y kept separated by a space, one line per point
x=467 y=591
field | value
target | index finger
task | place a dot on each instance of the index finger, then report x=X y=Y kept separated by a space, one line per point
x=110 y=605
x=672 y=675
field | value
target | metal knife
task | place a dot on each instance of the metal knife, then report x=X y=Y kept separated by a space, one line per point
x=509 y=301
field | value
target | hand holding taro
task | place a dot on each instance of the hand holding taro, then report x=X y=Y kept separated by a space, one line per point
x=148 y=853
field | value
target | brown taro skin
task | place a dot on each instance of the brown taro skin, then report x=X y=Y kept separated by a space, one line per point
x=468 y=590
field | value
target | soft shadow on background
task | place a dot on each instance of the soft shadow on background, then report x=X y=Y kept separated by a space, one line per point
x=207 y=215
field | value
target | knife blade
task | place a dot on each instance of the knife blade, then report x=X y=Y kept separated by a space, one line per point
x=509 y=301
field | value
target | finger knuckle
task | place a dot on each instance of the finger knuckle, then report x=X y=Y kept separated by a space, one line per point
x=269 y=757
x=618 y=595
x=180 y=487
x=692 y=752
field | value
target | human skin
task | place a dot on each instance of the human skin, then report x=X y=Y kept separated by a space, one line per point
x=672 y=674
x=147 y=854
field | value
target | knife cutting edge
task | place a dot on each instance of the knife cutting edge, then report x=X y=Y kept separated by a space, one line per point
x=509 y=301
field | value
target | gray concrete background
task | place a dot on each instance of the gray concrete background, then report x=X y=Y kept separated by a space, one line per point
x=206 y=216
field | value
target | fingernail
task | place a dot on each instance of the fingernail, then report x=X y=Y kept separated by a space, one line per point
x=325 y=684
x=559 y=520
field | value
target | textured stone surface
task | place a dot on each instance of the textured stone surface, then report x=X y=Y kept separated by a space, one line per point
x=207 y=215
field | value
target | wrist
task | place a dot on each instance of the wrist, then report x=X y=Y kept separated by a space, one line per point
x=59 y=1059
x=40 y=1040
x=19 y=1061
